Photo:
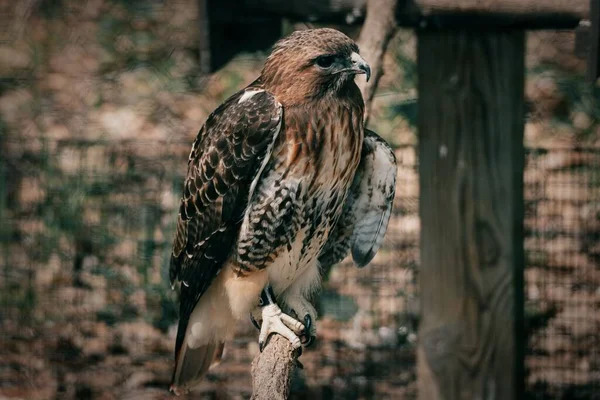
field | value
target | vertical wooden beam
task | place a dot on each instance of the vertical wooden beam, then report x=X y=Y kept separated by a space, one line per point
x=471 y=154
x=593 y=71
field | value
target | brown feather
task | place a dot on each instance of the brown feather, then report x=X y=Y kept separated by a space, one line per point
x=293 y=56
x=216 y=191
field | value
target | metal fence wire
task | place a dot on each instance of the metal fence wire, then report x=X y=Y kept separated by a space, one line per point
x=98 y=107
x=562 y=287
x=85 y=250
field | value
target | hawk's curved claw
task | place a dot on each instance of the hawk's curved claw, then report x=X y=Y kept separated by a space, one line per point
x=307 y=324
x=299 y=353
x=254 y=322
x=307 y=338
x=309 y=341
x=302 y=308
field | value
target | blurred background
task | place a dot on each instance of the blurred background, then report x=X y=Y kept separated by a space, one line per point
x=100 y=101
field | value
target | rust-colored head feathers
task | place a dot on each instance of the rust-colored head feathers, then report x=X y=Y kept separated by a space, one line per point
x=312 y=63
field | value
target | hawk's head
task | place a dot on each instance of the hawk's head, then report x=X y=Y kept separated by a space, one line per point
x=312 y=63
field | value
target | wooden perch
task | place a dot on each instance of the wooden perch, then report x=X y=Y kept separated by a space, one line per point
x=272 y=370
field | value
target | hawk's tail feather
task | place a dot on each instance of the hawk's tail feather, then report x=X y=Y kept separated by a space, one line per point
x=192 y=364
x=204 y=326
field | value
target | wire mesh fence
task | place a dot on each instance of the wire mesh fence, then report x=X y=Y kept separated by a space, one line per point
x=97 y=113
x=89 y=228
x=87 y=240
x=562 y=231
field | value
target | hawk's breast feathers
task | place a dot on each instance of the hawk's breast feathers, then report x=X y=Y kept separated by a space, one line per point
x=301 y=193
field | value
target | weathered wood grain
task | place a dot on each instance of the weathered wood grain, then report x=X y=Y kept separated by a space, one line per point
x=272 y=370
x=471 y=154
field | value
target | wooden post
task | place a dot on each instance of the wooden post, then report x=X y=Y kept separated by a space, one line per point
x=593 y=71
x=471 y=155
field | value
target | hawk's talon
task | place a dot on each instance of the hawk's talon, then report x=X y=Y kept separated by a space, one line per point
x=307 y=324
x=275 y=321
x=255 y=322
x=309 y=341
x=299 y=306
x=298 y=351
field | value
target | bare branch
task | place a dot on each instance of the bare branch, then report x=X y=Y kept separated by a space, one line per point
x=378 y=29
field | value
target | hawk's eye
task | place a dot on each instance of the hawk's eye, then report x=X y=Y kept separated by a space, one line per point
x=325 y=61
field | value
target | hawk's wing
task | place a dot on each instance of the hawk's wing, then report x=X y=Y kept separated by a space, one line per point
x=367 y=208
x=224 y=166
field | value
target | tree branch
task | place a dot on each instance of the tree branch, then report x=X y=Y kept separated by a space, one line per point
x=272 y=370
x=375 y=35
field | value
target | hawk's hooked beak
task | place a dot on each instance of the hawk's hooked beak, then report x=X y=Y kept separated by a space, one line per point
x=360 y=66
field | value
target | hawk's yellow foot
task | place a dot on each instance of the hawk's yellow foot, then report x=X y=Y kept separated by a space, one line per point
x=276 y=321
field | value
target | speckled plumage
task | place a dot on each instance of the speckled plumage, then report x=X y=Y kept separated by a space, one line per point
x=367 y=208
x=269 y=176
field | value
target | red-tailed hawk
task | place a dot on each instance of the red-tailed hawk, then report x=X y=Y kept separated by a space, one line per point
x=283 y=181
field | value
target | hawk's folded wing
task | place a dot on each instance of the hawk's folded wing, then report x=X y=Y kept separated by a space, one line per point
x=367 y=208
x=224 y=166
